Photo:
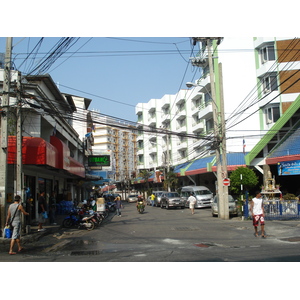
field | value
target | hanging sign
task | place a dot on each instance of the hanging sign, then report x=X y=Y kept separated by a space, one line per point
x=99 y=160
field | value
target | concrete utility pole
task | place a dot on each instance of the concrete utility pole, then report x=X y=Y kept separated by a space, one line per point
x=4 y=135
x=219 y=131
x=19 y=139
x=225 y=214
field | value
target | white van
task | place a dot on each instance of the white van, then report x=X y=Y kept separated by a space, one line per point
x=203 y=195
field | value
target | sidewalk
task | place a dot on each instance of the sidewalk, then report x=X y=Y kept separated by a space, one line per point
x=35 y=235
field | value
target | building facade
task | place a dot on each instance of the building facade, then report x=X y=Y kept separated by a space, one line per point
x=52 y=152
x=114 y=137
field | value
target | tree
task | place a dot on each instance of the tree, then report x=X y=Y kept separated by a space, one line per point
x=171 y=180
x=146 y=174
x=249 y=179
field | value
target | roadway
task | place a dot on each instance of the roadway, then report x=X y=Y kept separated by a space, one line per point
x=161 y=235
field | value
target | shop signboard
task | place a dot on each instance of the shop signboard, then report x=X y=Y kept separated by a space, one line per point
x=99 y=160
x=288 y=167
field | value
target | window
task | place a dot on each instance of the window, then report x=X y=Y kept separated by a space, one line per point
x=272 y=114
x=269 y=83
x=209 y=125
x=267 y=53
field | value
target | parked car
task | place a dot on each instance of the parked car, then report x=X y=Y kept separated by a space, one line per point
x=233 y=209
x=171 y=199
x=132 y=198
x=110 y=197
x=202 y=194
x=157 y=199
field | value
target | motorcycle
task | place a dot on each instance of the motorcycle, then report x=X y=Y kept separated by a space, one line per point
x=140 y=206
x=98 y=218
x=73 y=219
x=111 y=206
x=87 y=223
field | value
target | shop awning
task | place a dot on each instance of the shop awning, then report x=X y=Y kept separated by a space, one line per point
x=76 y=167
x=208 y=164
x=108 y=188
x=63 y=153
x=35 y=151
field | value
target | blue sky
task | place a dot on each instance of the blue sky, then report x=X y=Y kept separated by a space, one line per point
x=116 y=73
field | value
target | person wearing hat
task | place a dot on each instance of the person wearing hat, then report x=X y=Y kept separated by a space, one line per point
x=14 y=216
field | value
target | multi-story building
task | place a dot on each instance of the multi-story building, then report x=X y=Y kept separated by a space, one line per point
x=114 y=137
x=277 y=68
x=53 y=154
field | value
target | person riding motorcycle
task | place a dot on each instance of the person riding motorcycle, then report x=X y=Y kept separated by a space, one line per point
x=140 y=201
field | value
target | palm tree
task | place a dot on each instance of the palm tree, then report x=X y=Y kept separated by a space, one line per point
x=145 y=174
x=171 y=180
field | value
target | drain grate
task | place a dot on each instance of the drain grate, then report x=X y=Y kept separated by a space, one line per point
x=90 y=252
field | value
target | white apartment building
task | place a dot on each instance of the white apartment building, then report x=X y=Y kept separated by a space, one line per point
x=190 y=112
x=174 y=124
x=113 y=137
x=277 y=71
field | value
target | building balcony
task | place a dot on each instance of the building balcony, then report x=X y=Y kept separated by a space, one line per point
x=206 y=111
x=197 y=126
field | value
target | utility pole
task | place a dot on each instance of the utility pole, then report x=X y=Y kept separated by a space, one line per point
x=4 y=134
x=216 y=118
x=168 y=160
x=219 y=130
x=223 y=147
x=19 y=139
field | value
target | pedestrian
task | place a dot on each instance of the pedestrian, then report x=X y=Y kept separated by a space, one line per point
x=192 y=201
x=118 y=205
x=42 y=209
x=14 y=219
x=152 y=197
x=258 y=214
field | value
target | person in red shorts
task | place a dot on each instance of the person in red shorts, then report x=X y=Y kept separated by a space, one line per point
x=258 y=214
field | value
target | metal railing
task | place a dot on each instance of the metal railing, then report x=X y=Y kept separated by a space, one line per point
x=278 y=209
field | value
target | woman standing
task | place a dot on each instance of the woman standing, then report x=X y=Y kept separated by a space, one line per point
x=14 y=217
x=118 y=205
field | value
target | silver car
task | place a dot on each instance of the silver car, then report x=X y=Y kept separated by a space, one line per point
x=132 y=198
x=171 y=199
x=157 y=199
x=233 y=210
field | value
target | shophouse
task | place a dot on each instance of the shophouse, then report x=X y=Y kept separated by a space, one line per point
x=53 y=152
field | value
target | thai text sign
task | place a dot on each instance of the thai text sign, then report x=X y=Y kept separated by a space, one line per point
x=289 y=167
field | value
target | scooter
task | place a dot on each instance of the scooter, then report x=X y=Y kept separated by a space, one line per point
x=87 y=223
x=73 y=219
x=111 y=206
x=140 y=206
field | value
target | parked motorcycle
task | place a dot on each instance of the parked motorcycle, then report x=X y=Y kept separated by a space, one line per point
x=98 y=218
x=111 y=206
x=87 y=222
x=73 y=219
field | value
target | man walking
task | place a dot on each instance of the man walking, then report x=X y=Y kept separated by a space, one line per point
x=192 y=201
x=258 y=214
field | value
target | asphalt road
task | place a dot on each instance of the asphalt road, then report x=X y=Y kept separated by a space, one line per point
x=161 y=235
